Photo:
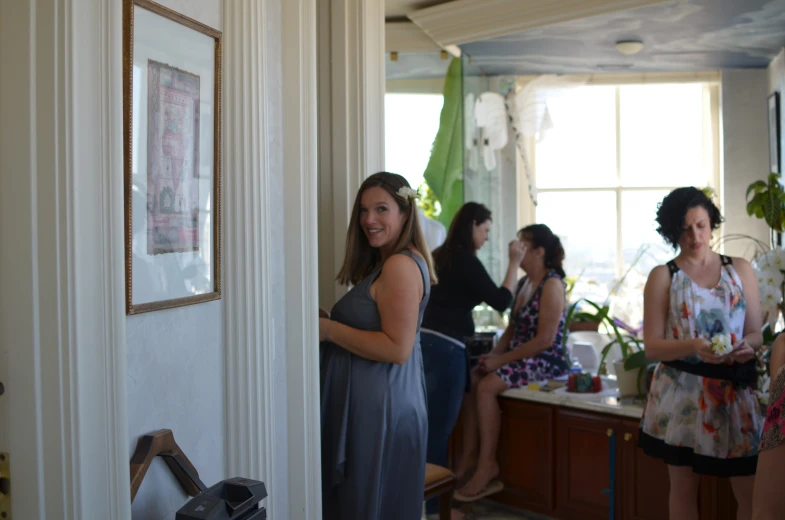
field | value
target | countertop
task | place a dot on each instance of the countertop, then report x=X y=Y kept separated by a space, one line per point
x=607 y=402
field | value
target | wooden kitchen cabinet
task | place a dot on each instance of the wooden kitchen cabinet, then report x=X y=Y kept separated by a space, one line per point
x=716 y=499
x=527 y=464
x=557 y=461
x=584 y=471
x=642 y=482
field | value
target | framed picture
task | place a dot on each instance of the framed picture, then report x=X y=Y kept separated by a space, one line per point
x=172 y=153
x=774 y=132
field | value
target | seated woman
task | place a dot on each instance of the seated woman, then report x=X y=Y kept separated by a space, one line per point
x=768 y=500
x=532 y=348
x=463 y=284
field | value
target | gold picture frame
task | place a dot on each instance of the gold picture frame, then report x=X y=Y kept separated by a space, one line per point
x=172 y=158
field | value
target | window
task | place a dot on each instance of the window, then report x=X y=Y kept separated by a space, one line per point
x=613 y=152
x=410 y=125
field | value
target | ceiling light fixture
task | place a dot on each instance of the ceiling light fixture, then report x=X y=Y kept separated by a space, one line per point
x=629 y=47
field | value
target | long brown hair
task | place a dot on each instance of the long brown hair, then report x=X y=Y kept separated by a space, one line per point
x=361 y=259
x=460 y=237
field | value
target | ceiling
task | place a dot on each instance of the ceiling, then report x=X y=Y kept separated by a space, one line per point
x=398 y=9
x=685 y=35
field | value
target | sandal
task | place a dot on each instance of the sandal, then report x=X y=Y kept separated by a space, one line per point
x=493 y=487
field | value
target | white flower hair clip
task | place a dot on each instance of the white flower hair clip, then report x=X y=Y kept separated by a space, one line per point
x=408 y=193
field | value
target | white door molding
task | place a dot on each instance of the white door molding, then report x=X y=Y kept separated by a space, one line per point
x=61 y=272
x=248 y=255
x=300 y=251
x=351 y=121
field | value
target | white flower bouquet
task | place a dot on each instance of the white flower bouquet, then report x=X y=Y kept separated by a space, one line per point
x=721 y=344
x=770 y=273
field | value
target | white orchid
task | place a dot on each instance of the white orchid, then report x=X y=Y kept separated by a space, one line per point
x=721 y=344
x=770 y=275
x=774 y=259
x=408 y=193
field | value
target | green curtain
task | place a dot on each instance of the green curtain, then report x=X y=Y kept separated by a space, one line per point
x=444 y=173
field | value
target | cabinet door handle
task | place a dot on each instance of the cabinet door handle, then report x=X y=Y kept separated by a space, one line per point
x=627 y=437
x=609 y=432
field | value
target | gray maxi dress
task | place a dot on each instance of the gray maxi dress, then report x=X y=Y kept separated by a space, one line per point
x=374 y=420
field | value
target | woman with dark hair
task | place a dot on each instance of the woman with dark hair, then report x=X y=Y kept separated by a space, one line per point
x=374 y=418
x=702 y=322
x=532 y=348
x=463 y=284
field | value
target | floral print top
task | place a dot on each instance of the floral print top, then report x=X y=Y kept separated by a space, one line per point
x=775 y=421
x=719 y=310
x=550 y=363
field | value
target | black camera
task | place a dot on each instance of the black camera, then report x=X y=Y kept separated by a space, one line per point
x=231 y=499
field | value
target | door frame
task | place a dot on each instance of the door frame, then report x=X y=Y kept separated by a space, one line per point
x=62 y=297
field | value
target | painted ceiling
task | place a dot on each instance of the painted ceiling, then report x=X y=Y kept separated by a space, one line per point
x=686 y=35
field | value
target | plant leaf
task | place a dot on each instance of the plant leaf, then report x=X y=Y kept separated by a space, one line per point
x=636 y=360
x=757 y=187
x=772 y=212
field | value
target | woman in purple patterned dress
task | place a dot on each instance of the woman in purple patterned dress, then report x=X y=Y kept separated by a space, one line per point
x=768 y=500
x=532 y=348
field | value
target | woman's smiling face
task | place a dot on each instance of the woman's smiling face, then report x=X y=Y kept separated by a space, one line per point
x=380 y=217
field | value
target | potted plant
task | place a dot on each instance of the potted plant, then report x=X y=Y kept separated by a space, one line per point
x=768 y=203
x=580 y=320
x=632 y=365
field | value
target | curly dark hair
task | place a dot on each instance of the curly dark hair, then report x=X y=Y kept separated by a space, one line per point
x=673 y=208
x=541 y=235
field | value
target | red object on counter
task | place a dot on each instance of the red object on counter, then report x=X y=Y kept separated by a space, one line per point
x=572 y=383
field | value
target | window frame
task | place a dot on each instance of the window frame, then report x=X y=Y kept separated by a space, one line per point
x=711 y=148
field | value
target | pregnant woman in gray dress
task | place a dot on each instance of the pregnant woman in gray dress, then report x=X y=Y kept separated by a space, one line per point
x=374 y=416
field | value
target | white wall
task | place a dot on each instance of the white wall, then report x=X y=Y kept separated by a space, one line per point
x=744 y=151
x=176 y=373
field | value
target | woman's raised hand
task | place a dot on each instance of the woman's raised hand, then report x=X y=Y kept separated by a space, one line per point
x=517 y=250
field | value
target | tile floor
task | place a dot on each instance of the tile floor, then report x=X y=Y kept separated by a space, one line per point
x=487 y=510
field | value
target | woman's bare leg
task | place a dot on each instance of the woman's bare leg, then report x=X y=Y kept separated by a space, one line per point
x=471 y=434
x=489 y=421
x=683 y=495
x=742 y=490
x=768 y=500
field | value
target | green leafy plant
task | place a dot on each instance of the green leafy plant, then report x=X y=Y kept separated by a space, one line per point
x=632 y=350
x=428 y=202
x=767 y=202
x=575 y=313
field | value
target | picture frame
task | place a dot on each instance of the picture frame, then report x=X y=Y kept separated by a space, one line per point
x=775 y=153
x=172 y=158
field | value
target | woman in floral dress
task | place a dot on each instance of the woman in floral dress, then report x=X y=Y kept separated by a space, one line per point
x=531 y=349
x=768 y=500
x=701 y=416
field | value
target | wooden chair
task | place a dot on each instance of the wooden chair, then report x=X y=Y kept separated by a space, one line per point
x=440 y=482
